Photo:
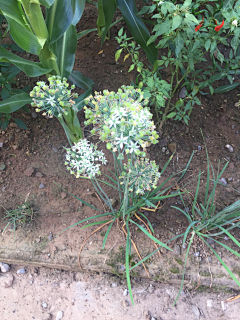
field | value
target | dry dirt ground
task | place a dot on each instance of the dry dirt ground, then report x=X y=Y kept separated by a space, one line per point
x=43 y=293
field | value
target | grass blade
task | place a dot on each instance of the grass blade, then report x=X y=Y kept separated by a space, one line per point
x=107 y=232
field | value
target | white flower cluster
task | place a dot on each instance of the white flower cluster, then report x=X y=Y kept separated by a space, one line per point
x=121 y=121
x=143 y=175
x=81 y=158
x=53 y=98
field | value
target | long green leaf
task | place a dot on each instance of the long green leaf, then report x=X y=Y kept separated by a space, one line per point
x=59 y=17
x=128 y=252
x=137 y=28
x=64 y=49
x=109 y=7
x=106 y=235
x=88 y=204
x=32 y=69
x=14 y=103
x=95 y=223
x=80 y=81
x=151 y=237
x=47 y=3
x=13 y=9
x=79 y=8
x=25 y=38
x=83 y=33
x=226 y=88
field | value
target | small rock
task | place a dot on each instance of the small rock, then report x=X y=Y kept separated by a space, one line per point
x=2 y=166
x=199 y=148
x=14 y=147
x=1 y=144
x=125 y=292
x=44 y=305
x=153 y=318
x=229 y=147
x=34 y=115
x=196 y=254
x=50 y=237
x=59 y=315
x=151 y=289
x=47 y=316
x=55 y=149
x=38 y=240
x=39 y=175
x=6 y=281
x=63 y=195
x=209 y=259
x=163 y=149
x=186 y=130
x=196 y=311
x=176 y=250
x=114 y=285
x=21 y=271
x=163 y=142
x=29 y=171
x=41 y=186
x=113 y=202
x=125 y=303
x=172 y=147
x=229 y=179
x=209 y=303
x=223 y=181
x=4 y=267
x=210 y=241
x=224 y=306
x=183 y=93
x=103 y=55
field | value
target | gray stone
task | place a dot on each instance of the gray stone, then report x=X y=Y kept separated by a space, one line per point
x=34 y=115
x=176 y=250
x=4 y=267
x=1 y=144
x=44 y=305
x=210 y=241
x=125 y=303
x=183 y=93
x=29 y=171
x=125 y=292
x=224 y=306
x=55 y=149
x=21 y=271
x=196 y=311
x=113 y=202
x=41 y=186
x=39 y=175
x=196 y=254
x=47 y=316
x=6 y=281
x=223 y=181
x=229 y=147
x=114 y=285
x=59 y=315
x=209 y=303
x=2 y=166
x=151 y=289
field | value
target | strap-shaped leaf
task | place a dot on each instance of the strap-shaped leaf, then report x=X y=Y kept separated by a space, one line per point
x=12 y=9
x=25 y=38
x=109 y=8
x=47 y=3
x=137 y=28
x=32 y=69
x=80 y=5
x=60 y=16
x=80 y=81
x=14 y=103
x=64 y=49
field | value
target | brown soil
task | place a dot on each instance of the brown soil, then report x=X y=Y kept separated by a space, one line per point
x=41 y=150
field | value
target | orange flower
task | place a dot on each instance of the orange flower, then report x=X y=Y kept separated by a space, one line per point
x=217 y=28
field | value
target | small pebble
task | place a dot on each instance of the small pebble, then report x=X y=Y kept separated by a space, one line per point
x=163 y=149
x=199 y=148
x=1 y=144
x=182 y=93
x=196 y=254
x=196 y=311
x=125 y=303
x=21 y=271
x=224 y=306
x=59 y=315
x=4 y=267
x=41 y=186
x=44 y=305
x=229 y=147
x=114 y=285
x=55 y=149
x=209 y=303
x=34 y=115
x=125 y=292
x=223 y=181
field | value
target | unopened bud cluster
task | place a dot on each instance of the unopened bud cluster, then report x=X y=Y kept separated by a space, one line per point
x=82 y=157
x=121 y=120
x=54 y=99
x=143 y=175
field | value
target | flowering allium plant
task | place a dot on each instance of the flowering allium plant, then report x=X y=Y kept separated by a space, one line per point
x=143 y=175
x=121 y=120
x=81 y=159
x=56 y=99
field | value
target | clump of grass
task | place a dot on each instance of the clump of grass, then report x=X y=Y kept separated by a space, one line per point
x=20 y=216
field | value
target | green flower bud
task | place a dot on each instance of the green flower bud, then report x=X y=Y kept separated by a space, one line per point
x=108 y=146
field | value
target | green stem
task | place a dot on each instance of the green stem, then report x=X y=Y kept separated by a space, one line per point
x=108 y=202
